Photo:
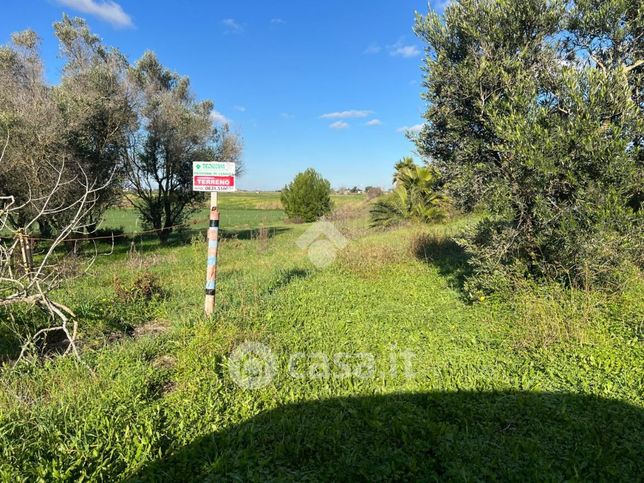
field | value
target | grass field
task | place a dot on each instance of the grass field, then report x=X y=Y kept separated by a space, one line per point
x=380 y=368
x=239 y=210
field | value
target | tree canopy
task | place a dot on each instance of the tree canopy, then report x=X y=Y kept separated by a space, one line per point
x=535 y=114
x=307 y=197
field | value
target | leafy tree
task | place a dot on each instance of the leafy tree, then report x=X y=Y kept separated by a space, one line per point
x=96 y=108
x=535 y=112
x=40 y=181
x=416 y=197
x=307 y=197
x=34 y=154
x=174 y=131
x=87 y=118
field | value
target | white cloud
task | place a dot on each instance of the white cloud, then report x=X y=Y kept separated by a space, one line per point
x=278 y=21
x=287 y=115
x=400 y=50
x=232 y=26
x=240 y=108
x=218 y=118
x=373 y=122
x=410 y=129
x=339 y=125
x=345 y=114
x=108 y=11
x=372 y=49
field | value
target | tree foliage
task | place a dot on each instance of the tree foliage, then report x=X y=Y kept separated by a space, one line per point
x=96 y=107
x=43 y=182
x=52 y=131
x=174 y=131
x=416 y=196
x=307 y=197
x=66 y=149
x=535 y=113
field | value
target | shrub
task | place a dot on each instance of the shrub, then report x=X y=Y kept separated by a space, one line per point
x=307 y=198
x=144 y=288
x=373 y=192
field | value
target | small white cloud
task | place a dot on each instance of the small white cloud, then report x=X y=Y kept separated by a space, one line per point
x=373 y=122
x=346 y=114
x=277 y=21
x=410 y=129
x=372 y=49
x=339 y=125
x=287 y=115
x=108 y=11
x=239 y=108
x=218 y=118
x=232 y=26
x=400 y=49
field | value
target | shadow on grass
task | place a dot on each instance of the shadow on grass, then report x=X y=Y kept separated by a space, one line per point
x=431 y=436
x=18 y=325
x=445 y=254
x=251 y=233
x=10 y=342
x=286 y=277
x=150 y=243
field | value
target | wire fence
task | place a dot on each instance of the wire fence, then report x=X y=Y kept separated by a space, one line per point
x=113 y=236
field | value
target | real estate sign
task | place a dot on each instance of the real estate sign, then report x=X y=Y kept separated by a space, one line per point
x=209 y=176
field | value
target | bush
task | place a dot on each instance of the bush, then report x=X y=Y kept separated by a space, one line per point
x=373 y=192
x=307 y=198
x=144 y=288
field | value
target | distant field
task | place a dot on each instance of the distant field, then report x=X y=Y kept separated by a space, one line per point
x=238 y=210
x=128 y=220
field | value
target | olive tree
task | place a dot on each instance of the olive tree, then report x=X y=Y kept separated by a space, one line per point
x=535 y=113
x=96 y=107
x=39 y=181
x=173 y=131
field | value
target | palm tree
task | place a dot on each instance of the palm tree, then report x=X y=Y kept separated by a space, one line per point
x=405 y=163
x=415 y=196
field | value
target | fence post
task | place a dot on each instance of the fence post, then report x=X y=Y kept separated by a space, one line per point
x=25 y=252
x=211 y=271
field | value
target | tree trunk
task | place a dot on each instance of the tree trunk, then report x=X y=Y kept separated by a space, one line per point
x=45 y=228
x=164 y=234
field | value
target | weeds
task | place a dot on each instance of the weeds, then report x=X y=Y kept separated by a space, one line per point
x=144 y=288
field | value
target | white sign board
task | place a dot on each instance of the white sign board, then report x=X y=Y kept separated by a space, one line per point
x=210 y=176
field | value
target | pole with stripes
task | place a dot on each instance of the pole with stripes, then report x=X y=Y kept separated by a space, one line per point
x=211 y=271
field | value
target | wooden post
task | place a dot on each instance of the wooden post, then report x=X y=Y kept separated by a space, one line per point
x=211 y=271
x=25 y=251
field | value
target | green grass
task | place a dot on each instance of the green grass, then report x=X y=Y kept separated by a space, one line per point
x=544 y=384
x=128 y=221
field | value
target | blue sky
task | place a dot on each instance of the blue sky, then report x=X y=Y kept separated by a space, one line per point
x=325 y=84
